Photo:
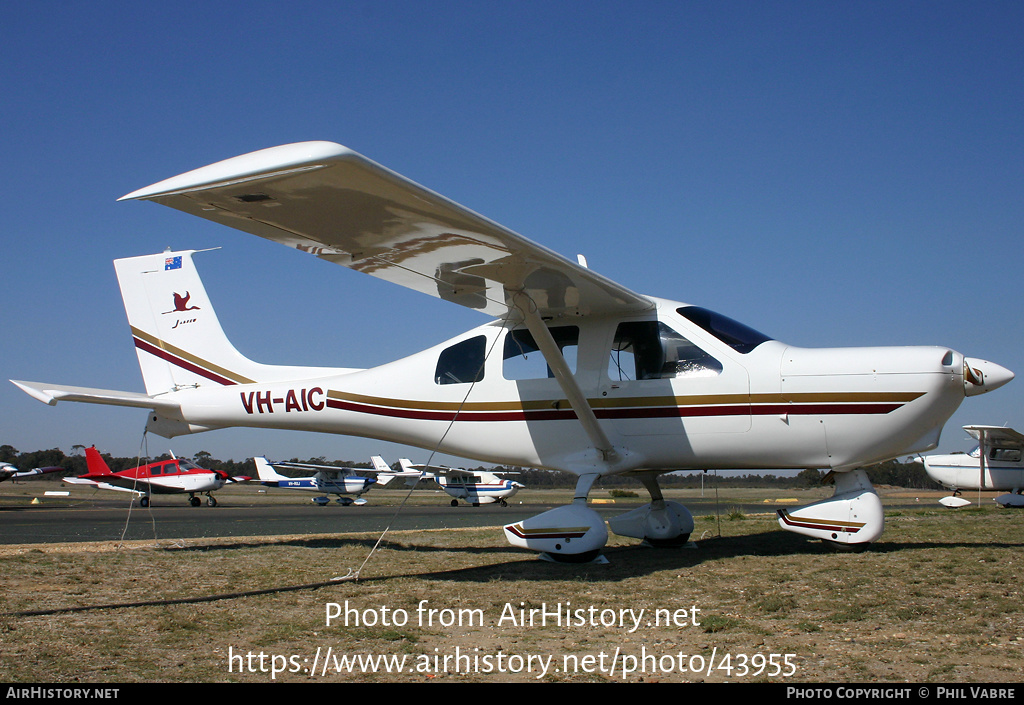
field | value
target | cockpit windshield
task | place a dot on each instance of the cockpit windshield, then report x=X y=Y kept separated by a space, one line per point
x=739 y=337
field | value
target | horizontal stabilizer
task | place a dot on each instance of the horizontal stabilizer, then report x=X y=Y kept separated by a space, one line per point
x=53 y=393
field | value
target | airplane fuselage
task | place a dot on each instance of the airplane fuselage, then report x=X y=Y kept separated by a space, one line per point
x=773 y=406
x=486 y=490
x=190 y=482
x=963 y=472
x=345 y=485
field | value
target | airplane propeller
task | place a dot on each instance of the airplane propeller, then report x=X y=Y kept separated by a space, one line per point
x=982 y=376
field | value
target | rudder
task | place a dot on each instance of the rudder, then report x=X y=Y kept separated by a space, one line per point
x=94 y=462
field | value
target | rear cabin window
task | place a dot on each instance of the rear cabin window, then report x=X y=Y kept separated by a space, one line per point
x=522 y=358
x=1008 y=454
x=652 y=350
x=462 y=363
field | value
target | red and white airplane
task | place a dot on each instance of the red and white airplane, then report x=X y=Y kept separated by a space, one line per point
x=627 y=383
x=174 y=476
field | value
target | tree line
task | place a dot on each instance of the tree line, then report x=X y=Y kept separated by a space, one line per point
x=909 y=474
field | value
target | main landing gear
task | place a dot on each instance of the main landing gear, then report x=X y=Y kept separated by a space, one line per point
x=193 y=501
x=661 y=523
x=576 y=533
x=848 y=521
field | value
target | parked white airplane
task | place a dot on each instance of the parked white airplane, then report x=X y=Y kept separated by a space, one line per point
x=629 y=383
x=994 y=464
x=9 y=471
x=328 y=479
x=476 y=487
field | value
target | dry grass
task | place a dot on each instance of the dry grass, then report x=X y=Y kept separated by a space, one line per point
x=937 y=599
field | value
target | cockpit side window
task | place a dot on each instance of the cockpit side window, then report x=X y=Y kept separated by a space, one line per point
x=652 y=350
x=739 y=337
x=1007 y=454
x=462 y=363
x=522 y=358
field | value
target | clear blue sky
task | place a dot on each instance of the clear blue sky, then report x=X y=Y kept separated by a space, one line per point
x=841 y=173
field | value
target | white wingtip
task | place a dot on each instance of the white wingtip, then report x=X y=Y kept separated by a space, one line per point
x=246 y=167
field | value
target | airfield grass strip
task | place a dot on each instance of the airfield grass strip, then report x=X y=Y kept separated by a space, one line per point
x=351 y=577
x=179 y=601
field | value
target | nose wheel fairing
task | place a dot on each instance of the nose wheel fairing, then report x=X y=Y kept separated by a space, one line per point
x=852 y=516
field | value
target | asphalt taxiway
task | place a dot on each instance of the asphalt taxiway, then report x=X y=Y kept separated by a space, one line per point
x=29 y=516
x=170 y=517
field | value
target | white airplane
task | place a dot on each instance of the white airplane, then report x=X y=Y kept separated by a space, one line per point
x=328 y=479
x=9 y=471
x=476 y=487
x=629 y=383
x=994 y=464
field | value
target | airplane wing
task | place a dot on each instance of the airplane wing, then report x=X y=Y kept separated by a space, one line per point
x=313 y=467
x=444 y=470
x=105 y=485
x=327 y=200
x=997 y=436
x=8 y=472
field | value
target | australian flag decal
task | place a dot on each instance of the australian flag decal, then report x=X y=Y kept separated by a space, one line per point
x=172 y=263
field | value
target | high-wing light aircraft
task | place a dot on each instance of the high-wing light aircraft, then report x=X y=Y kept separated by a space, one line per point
x=473 y=486
x=174 y=476
x=629 y=383
x=9 y=471
x=995 y=464
x=329 y=479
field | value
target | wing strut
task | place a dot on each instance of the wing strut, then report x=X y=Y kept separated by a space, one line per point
x=553 y=356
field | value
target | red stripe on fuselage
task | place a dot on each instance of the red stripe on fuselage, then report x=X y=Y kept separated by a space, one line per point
x=184 y=364
x=627 y=413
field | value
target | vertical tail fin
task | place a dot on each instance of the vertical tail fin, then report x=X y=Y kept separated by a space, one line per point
x=94 y=462
x=178 y=338
x=385 y=475
x=379 y=465
x=266 y=472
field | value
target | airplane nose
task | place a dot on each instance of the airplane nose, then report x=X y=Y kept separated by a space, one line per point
x=982 y=376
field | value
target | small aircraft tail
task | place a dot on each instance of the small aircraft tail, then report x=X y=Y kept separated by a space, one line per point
x=178 y=337
x=94 y=462
x=385 y=475
x=179 y=342
x=266 y=472
x=379 y=465
x=409 y=469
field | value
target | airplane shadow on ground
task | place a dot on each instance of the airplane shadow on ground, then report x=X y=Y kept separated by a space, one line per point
x=623 y=561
